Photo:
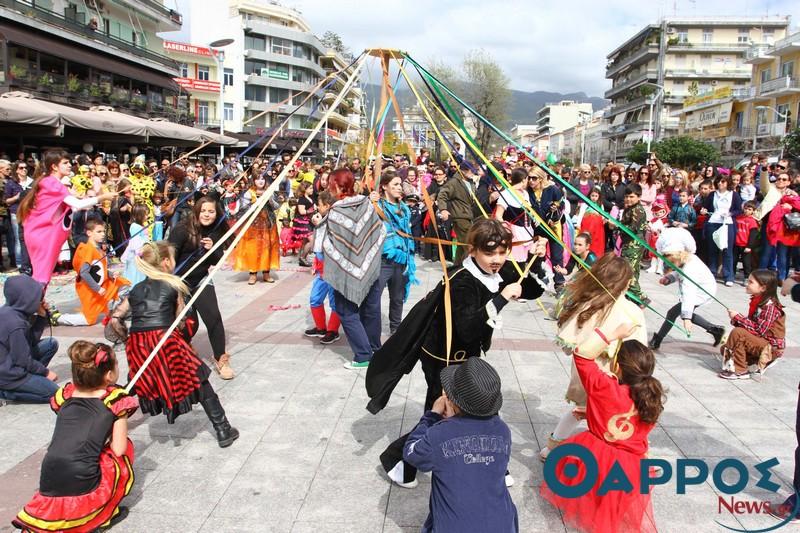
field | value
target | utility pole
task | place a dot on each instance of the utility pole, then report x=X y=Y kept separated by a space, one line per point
x=662 y=50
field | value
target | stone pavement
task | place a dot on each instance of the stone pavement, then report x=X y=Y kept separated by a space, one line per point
x=307 y=459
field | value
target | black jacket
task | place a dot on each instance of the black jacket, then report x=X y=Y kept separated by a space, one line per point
x=19 y=332
x=153 y=305
x=187 y=254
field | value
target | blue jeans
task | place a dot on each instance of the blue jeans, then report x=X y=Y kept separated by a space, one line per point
x=361 y=323
x=727 y=253
x=768 y=257
x=36 y=388
x=393 y=276
x=784 y=254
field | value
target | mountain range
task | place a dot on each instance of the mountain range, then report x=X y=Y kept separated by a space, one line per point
x=522 y=109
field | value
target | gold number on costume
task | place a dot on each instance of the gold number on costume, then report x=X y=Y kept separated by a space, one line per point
x=620 y=426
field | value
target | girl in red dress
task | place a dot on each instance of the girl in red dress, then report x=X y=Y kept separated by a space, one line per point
x=621 y=412
x=594 y=224
x=88 y=468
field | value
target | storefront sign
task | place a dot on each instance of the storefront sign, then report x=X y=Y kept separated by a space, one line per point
x=711 y=116
x=186 y=48
x=710 y=96
x=191 y=84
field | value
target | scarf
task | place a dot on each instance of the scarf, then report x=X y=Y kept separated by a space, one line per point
x=755 y=301
x=352 y=247
x=397 y=248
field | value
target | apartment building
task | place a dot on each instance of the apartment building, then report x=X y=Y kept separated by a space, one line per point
x=275 y=60
x=673 y=59
x=561 y=115
x=525 y=134
x=92 y=53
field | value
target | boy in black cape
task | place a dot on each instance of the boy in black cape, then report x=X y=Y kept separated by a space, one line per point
x=479 y=289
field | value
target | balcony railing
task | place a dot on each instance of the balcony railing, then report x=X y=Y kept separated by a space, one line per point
x=758 y=51
x=694 y=73
x=619 y=64
x=631 y=83
x=32 y=10
x=791 y=40
x=743 y=93
x=769 y=129
x=779 y=84
x=708 y=46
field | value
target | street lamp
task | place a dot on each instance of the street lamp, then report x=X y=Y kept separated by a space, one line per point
x=215 y=47
x=650 y=132
x=784 y=116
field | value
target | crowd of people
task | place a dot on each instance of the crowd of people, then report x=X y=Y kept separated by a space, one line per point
x=504 y=231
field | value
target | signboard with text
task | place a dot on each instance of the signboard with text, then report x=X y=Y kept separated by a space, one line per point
x=191 y=84
x=186 y=48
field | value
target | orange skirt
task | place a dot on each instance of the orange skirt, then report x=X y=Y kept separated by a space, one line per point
x=259 y=249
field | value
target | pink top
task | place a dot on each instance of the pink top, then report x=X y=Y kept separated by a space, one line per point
x=47 y=227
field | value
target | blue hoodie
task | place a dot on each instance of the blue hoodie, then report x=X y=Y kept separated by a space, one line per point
x=17 y=333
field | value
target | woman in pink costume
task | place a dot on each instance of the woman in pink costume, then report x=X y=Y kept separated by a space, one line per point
x=46 y=214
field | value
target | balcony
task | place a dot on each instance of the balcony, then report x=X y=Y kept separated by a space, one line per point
x=788 y=45
x=758 y=54
x=624 y=129
x=708 y=47
x=780 y=87
x=205 y=123
x=633 y=82
x=167 y=19
x=726 y=74
x=36 y=16
x=647 y=52
x=744 y=93
x=636 y=103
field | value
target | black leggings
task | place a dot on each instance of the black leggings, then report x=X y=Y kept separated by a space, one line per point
x=207 y=307
x=675 y=312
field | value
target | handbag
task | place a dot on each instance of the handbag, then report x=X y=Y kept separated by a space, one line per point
x=720 y=237
x=792 y=221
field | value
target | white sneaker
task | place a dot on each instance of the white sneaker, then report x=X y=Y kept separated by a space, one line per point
x=543 y=453
x=509 y=480
x=396 y=474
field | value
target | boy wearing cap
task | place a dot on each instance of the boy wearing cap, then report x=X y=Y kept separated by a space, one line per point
x=466 y=445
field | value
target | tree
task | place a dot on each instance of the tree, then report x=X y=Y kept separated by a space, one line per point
x=680 y=151
x=791 y=143
x=332 y=40
x=481 y=83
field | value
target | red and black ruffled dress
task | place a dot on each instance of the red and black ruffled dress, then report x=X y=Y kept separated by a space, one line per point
x=176 y=378
x=82 y=482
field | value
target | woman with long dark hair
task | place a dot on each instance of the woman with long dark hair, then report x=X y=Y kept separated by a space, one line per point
x=46 y=213
x=353 y=244
x=722 y=206
x=192 y=238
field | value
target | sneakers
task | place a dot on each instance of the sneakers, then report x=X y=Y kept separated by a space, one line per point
x=54 y=316
x=223 y=366
x=509 y=480
x=314 y=332
x=330 y=337
x=727 y=374
x=398 y=477
x=719 y=335
x=729 y=284
x=551 y=443
x=655 y=343
x=356 y=365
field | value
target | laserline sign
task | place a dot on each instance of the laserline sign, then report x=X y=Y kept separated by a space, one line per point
x=617 y=480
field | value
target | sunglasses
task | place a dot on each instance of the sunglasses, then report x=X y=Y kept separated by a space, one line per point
x=780 y=167
x=103 y=173
x=783 y=179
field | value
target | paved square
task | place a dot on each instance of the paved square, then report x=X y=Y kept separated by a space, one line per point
x=307 y=459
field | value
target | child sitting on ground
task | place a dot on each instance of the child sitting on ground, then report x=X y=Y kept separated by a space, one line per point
x=746 y=238
x=321 y=289
x=88 y=468
x=621 y=411
x=582 y=247
x=468 y=489
x=98 y=289
x=760 y=337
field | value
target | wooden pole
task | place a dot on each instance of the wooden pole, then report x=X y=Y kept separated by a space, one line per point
x=376 y=173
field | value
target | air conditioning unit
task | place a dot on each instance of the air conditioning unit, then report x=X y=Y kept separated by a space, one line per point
x=245 y=104
x=246 y=53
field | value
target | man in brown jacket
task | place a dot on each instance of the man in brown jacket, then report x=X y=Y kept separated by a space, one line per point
x=456 y=204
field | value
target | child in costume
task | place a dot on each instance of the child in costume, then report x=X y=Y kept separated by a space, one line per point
x=259 y=249
x=46 y=212
x=601 y=303
x=88 y=468
x=760 y=337
x=655 y=226
x=98 y=290
x=231 y=201
x=468 y=490
x=139 y=236
x=634 y=218
x=593 y=223
x=479 y=289
x=677 y=245
x=321 y=289
x=176 y=378
x=143 y=187
x=622 y=409
x=747 y=228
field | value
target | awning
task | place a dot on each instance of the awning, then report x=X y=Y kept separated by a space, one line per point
x=632 y=137
x=26 y=111
x=72 y=52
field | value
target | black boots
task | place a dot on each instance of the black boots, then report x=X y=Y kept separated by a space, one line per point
x=655 y=343
x=718 y=333
x=225 y=433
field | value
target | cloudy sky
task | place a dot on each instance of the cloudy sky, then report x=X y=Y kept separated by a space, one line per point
x=561 y=47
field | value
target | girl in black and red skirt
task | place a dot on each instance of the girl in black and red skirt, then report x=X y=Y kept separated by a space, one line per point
x=176 y=378
x=88 y=468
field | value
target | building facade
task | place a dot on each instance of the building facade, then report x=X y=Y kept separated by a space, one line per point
x=674 y=59
x=92 y=53
x=200 y=76
x=562 y=115
x=525 y=134
x=275 y=60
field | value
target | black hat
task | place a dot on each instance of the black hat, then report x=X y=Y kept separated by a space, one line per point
x=474 y=386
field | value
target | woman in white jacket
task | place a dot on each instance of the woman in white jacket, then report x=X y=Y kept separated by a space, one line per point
x=678 y=246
